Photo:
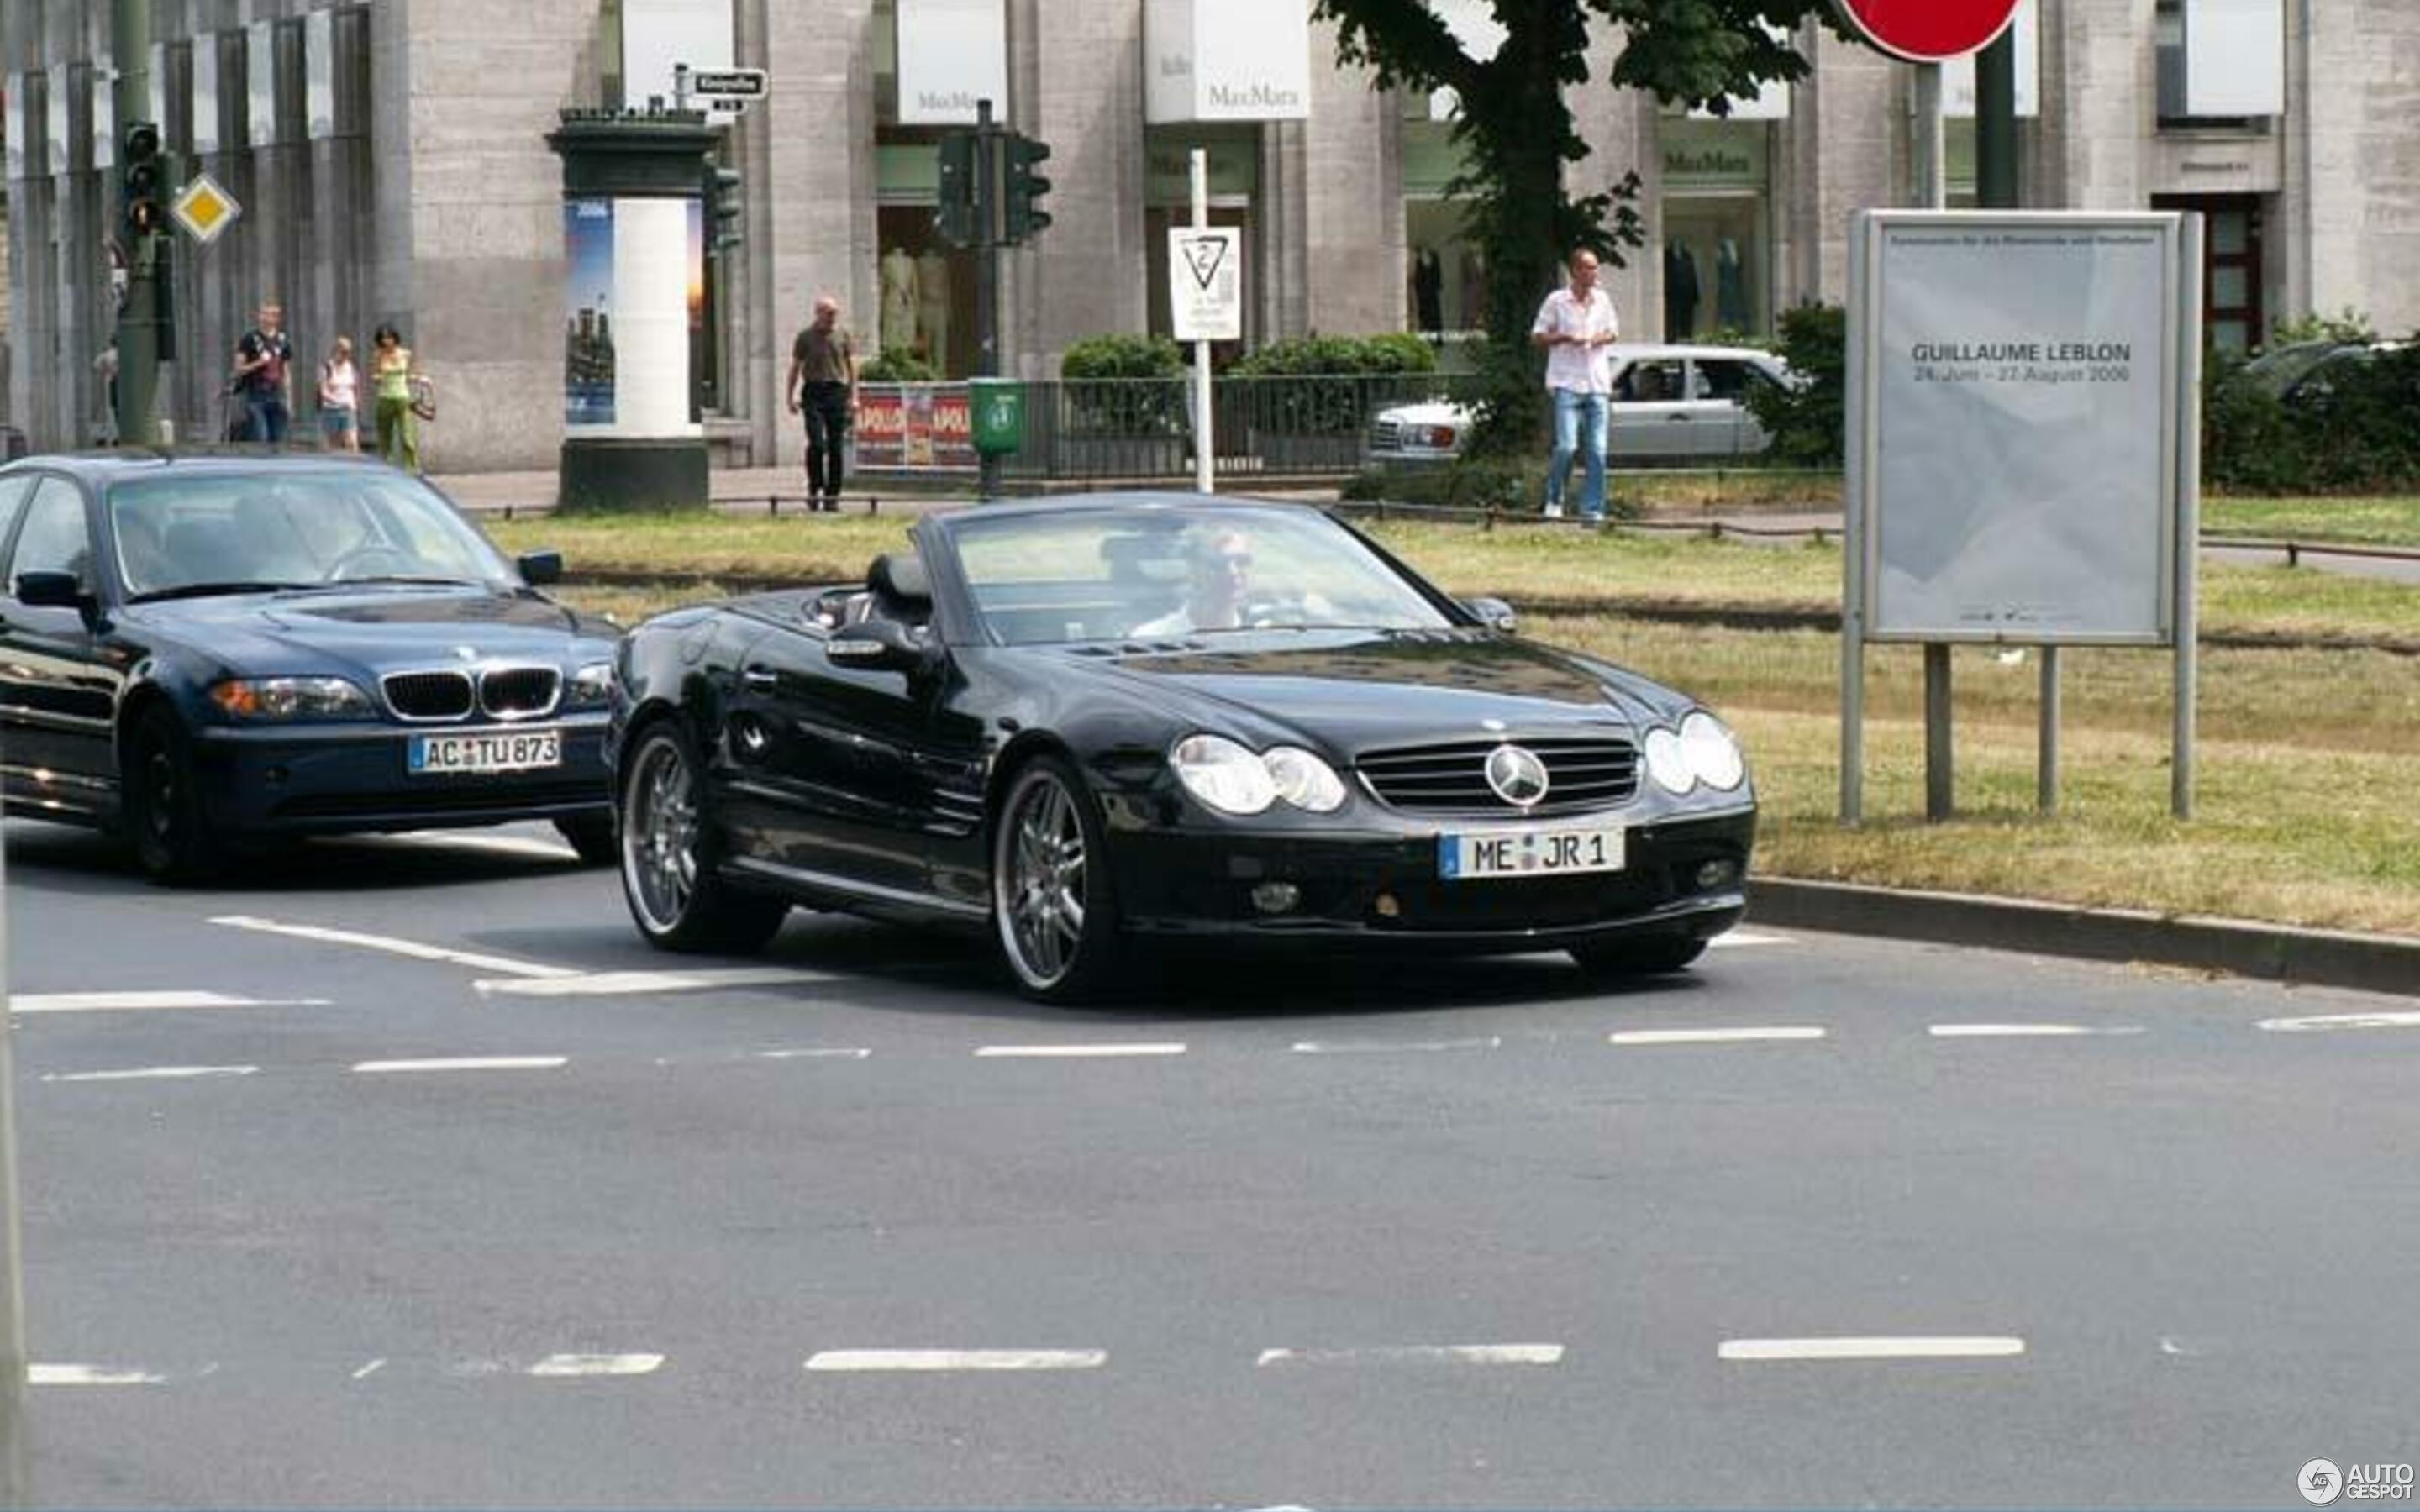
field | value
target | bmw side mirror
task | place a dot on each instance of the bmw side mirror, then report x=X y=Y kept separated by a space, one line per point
x=1493 y=612
x=539 y=568
x=51 y=590
x=879 y=645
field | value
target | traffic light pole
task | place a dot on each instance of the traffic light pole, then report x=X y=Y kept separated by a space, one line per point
x=139 y=340
x=989 y=236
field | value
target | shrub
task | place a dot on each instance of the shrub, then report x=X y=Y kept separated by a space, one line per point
x=1808 y=421
x=1121 y=356
x=897 y=364
x=2348 y=324
x=1122 y=386
x=1331 y=395
x=2353 y=434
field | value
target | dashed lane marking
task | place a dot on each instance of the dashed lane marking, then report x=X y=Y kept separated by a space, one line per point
x=1746 y=940
x=380 y=1068
x=2024 y=1031
x=1073 y=1052
x=817 y=1053
x=1913 y=1348
x=1419 y=1354
x=1751 y=1036
x=500 y=845
x=2326 y=1022
x=152 y=1074
x=560 y=1365
x=1381 y=1047
x=146 y=1002
x=932 y=1359
x=634 y=983
x=90 y=1375
x=504 y=966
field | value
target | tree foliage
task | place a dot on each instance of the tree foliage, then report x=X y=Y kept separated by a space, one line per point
x=1517 y=131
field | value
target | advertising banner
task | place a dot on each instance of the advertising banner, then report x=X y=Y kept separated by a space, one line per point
x=914 y=427
x=952 y=54
x=2017 y=428
x=588 y=314
x=1235 y=60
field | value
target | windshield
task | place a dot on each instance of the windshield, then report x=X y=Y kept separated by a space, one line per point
x=1149 y=573
x=205 y=532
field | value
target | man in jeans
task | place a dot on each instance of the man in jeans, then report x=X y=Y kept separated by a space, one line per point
x=1578 y=327
x=260 y=379
x=823 y=384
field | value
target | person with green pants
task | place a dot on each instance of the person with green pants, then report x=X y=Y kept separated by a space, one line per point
x=391 y=370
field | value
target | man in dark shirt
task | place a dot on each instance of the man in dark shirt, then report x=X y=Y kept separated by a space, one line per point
x=260 y=379
x=822 y=386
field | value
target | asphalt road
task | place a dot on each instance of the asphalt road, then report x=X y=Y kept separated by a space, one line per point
x=409 y=1196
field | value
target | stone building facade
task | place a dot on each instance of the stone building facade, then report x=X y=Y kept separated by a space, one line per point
x=391 y=159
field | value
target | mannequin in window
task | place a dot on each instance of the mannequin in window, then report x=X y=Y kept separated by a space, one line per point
x=1473 y=279
x=933 y=307
x=1731 y=286
x=1428 y=292
x=898 y=299
x=1680 y=291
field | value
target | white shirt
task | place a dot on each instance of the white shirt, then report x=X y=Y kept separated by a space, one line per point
x=1581 y=369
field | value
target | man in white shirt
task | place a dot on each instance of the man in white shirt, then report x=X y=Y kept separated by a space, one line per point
x=1578 y=327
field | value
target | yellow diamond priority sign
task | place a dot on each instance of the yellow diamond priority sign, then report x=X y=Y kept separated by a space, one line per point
x=204 y=210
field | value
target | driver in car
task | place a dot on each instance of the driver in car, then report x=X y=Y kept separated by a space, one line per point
x=1222 y=574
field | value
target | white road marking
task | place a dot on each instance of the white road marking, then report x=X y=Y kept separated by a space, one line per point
x=866 y=1359
x=598 y=1365
x=1650 y=1037
x=833 y=1054
x=1381 y=1047
x=632 y=983
x=380 y=1068
x=370 y=1369
x=413 y=949
x=2022 y=1031
x=151 y=1073
x=2342 y=1020
x=500 y=844
x=1743 y=939
x=138 y=1002
x=89 y=1375
x=1913 y=1347
x=1073 y=1052
x=1421 y=1354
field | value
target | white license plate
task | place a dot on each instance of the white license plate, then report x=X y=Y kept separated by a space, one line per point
x=1531 y=853
x=489 y=750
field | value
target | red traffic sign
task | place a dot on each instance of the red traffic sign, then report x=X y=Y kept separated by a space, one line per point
x=1927 y=31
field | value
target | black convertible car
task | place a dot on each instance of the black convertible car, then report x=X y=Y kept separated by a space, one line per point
x=203 y=652
x=1082 y=724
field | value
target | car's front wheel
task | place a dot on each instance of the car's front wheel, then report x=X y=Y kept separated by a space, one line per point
x=1051 y=898
x=677 y=898
x=172 y=839
x=1640 y=957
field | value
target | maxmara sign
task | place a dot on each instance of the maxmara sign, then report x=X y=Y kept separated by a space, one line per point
x=952 y=54
x=1226 y=60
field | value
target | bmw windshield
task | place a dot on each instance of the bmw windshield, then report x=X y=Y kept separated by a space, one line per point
x=184 y=535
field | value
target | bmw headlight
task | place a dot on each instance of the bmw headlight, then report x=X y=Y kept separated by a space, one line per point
x=1713 y=752
x=1666 y=762
x=591 y=685
x=1304 y=780
x=1223 y=775
x=291 y=698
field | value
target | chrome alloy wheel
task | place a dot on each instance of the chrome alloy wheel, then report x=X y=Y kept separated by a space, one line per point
x=660 y=837
x=1041 y=882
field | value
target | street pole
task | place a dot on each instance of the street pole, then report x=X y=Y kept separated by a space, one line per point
x=138 y=319
x=988 y=230
x=15 y=1490
x=1204 y=451
x=1932 y=188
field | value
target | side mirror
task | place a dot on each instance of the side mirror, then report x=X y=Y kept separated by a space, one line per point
x=1493 y=612
x=539 y=568
x=881 y=645
x=51 y=590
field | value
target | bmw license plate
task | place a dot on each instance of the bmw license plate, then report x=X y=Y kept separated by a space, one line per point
x=485 y=751
x=1531 y=853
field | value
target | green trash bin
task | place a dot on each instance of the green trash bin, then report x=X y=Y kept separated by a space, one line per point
x=999 y=419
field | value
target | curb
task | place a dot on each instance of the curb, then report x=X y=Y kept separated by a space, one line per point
x=2269 y=952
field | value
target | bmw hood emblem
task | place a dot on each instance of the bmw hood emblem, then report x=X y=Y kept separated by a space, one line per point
x=1518 y=776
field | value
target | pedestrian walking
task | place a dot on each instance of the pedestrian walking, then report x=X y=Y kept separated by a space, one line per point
x=1577 y=327
x=260 y=379
x=822 y=386
x=340 y=387
x=397 y=384
x=106 y=364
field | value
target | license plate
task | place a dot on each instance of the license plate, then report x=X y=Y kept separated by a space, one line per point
x=1531 y=853
x=489 y=750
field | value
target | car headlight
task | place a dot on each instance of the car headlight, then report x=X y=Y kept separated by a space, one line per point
x=592 y=684
x=1666 y=764
x=1223 y=775
x=291 y=698
x=1304 y=780
x=1713 y=752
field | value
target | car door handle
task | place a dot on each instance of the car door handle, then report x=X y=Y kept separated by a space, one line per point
x=761 y=678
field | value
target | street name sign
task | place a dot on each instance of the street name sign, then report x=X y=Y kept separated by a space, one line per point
x=1927 y=31
x=204 y=210
x=1206 y=282
x=735 y=85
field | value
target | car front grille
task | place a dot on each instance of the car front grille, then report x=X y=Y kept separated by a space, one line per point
x=519 y=692
x=1587 y=772
x=1386 y=435
x=439 y=695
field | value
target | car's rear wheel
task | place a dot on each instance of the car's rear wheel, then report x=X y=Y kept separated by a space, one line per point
x=1052 y=899
x=592 y=837
x=172 y=839
x=1638 y=957
x=677 y=898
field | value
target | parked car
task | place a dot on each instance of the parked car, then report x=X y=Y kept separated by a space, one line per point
x=2306 y=372
x=1670 y=404
x=1084 y=724
x=202 y=651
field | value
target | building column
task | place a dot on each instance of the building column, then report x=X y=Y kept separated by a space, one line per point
x=1088 y=273
x=818 y=184
x=1845 y=143
x=1620 y=128
x=1349 y=158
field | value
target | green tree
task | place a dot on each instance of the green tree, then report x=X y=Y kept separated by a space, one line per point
x=1515 y=127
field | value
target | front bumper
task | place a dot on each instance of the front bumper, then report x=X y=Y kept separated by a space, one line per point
x=1384 y=889
x=327 y=780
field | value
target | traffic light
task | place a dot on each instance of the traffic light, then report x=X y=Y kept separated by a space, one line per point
x=725 y=226
x=955 y=219
x=1025 y=186
x=146 y=184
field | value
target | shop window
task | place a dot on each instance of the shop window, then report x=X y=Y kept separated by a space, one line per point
x=1716 y=250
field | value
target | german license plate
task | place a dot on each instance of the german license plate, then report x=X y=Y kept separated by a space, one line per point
x=1531 y=853
x=485 y=751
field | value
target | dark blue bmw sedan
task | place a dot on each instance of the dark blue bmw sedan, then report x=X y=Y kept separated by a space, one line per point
x=200 y=652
